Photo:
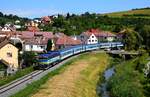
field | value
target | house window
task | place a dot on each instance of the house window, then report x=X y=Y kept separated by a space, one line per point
x=92 y=36
x=92 y=40
x=31 y=46
x=9 y=54
x=89 y=40
x=82 y=37
x=42 y=46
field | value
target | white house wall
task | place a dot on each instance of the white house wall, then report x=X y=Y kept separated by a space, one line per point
x=38 y=48
x=92 y=39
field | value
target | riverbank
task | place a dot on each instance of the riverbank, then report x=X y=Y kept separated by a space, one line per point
x=78 y=78
x=129 y=79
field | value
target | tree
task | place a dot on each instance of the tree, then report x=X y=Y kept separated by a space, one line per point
x=68 y=16
x=144 y=31
x=49 y=45
x=29 y=58
x=1 y=14
x=118 y=28
x=132 y=40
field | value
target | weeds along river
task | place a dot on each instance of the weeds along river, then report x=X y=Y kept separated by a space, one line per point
x=102 y=88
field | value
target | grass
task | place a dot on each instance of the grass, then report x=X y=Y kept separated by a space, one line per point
x=18 y=74
x=85 y=85
x=35 y=86
x=131 y=12
x=92 y=75
x=128 y=77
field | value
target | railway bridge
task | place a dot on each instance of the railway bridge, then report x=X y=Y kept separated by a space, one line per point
x=124 y=54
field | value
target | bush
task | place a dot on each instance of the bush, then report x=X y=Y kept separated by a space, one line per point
x=127 y=82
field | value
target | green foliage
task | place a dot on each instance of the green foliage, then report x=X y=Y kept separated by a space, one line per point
x=11 y=19
x=132 y=39
x=29 y=58
x=2 y=66
x=49 y=45
x=135 y=13
x=118 y=28
x=145 y=33
x=128 y=80
x=76 y=24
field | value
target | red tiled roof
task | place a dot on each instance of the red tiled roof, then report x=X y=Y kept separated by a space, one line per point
x=98 y=33
x=45 y=34
x=27 y=35
x=66 y=40
x=33 y=29
x=36 y=41
x=38 y=38
x=46 y=19
x=4 y=41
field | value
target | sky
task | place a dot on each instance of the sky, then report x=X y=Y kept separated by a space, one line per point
x=38 y=8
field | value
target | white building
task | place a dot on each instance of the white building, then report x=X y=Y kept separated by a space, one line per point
x=94 y=36
x=92 y=39
x=88 y=38
x=35 y=47
x=36 y=41
x=6 y=29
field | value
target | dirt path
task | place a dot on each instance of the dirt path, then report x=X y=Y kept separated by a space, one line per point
x=65 y=84
x=62 y=85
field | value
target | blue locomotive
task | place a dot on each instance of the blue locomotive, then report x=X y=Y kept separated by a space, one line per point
x=49 y=59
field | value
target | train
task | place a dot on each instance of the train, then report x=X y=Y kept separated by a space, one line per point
x=51 y=58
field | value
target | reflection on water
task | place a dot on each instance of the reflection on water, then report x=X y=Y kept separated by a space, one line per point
x=103 y=88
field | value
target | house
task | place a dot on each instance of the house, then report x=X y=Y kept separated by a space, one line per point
x=29 y=41
x=0 y=28
x=62 y=41
x=17 y=26
x=8 y=56
x=17 y=21
x=33 y=29
x=8 y=28
x=88 y=38
x=36 y=41
x=32 y=26
x=94 y=36
x=46 y=19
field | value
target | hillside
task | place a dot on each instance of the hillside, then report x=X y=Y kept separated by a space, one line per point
x=143 y=13
x=10 y=18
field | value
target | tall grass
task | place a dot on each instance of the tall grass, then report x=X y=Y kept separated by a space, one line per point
x=92 y=75
x=128 y=77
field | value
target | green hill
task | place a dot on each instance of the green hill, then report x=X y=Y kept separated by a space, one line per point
x=135 y=13
x=10 y=18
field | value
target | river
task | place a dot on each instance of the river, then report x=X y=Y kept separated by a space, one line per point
x=103 y=87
